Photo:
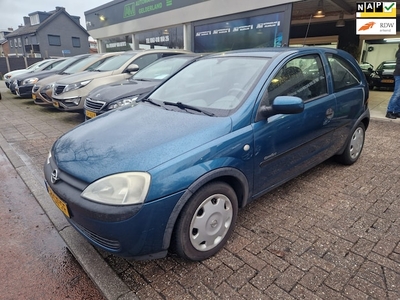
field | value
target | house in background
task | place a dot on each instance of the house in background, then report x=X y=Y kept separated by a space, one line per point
x=93 y=45
x=49 y=34
x=4 y=47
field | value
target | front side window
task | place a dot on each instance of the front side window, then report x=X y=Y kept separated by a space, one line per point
x=54 y=40
x=114 y=63
x=302 y=77
x=343 y=73
x=76 y=42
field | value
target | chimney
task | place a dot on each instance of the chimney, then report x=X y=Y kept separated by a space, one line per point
x=10 y=29
x=59 y=8
x=27 y=21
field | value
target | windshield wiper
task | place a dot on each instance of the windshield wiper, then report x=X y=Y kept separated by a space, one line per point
x=149 y=101
x=186 y=106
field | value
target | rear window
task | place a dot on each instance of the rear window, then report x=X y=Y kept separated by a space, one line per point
x=344 y=74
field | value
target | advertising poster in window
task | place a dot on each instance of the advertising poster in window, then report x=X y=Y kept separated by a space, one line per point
x=251 y=32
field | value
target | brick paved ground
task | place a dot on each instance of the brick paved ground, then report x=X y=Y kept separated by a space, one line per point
x=332 y=233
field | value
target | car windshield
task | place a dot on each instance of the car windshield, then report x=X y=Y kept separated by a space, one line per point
x=62 y=65
x=161 y=69
x=212 y=83
x=81 y=64
x=387 y=66
x=114 y=62
x=39 y=64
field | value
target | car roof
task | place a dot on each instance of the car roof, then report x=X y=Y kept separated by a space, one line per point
x=274 y=51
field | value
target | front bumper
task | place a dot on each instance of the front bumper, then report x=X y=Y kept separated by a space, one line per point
x=68 y=104
x=41 y=96
x=24 y=91
x=133 y=231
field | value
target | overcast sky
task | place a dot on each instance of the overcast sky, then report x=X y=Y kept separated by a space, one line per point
x=12 y=12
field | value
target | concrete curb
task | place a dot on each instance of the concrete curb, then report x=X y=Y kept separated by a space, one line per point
x=103 y=276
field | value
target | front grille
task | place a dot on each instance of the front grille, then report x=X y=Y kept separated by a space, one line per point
x=94 y=105
x=58 y=89
x=110 y=244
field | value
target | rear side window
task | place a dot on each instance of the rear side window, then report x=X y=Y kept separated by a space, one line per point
x=343 y=73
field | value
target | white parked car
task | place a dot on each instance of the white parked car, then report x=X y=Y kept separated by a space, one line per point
x=38 y=66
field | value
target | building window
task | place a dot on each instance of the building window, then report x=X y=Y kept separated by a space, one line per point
x=19 y=42
x=54 y=40
x=34 y=19
x=11 y=43
x=26 y=41
x=76 y=42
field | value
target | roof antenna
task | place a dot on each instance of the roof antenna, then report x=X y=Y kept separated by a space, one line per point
x=308 y=27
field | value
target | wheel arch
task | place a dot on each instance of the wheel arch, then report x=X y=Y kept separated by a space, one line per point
x=365 y=119
x=235 y=178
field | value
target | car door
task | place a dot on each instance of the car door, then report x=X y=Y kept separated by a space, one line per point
x=349 y=93
x=287 y=145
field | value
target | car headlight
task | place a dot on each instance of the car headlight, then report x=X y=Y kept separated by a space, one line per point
x=76 y=85
x=122 y=102
x=7 y=76
x=31 y=80
x=48 y=157
x=48 y=87
x=119 y=189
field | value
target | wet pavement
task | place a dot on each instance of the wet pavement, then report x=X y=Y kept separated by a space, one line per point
x=331 y=233
x=35 y=262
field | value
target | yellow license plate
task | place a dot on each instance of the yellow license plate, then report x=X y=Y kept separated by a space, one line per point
x=387 y=81
x=55 y=104
x=90 y=114
x=58 y=202
x=33 y=96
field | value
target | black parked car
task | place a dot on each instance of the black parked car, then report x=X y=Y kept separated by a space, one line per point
x=108 y=97
x=383 y=75
x=366 y=68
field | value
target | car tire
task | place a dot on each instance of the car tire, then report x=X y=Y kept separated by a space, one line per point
x=354 y=146
x=206 y=222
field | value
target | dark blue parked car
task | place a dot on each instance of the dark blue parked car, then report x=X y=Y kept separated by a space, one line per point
x=170 y=172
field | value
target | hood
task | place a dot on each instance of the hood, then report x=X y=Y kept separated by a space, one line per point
x=112 y=92
x=39 y=74
x=50 y=79
x=82 y=76
x=135 y=138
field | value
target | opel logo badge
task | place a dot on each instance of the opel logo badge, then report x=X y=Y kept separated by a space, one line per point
x=54 y=176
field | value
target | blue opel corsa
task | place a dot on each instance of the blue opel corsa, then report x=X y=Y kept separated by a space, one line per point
x=170 y=172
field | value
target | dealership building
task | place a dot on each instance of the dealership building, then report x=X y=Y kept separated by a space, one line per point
x=220 y=25
x=196 y=25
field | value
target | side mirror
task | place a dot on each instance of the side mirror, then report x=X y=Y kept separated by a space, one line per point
x=132 y=68
x=283 y=105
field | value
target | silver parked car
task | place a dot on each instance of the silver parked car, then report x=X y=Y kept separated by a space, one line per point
x=71 y=91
